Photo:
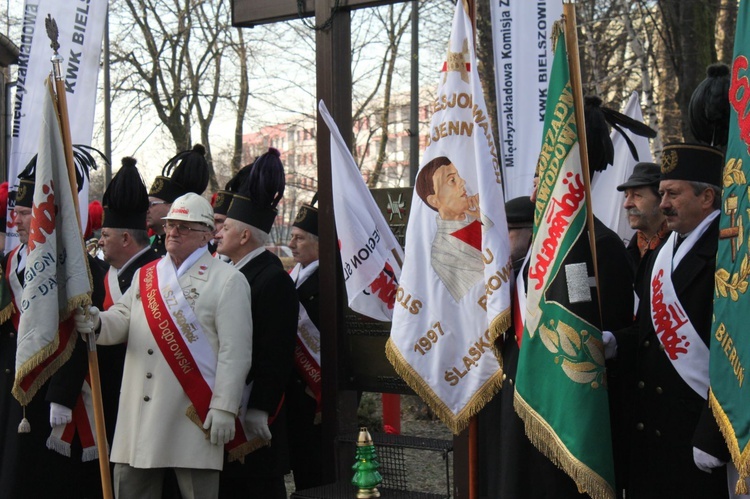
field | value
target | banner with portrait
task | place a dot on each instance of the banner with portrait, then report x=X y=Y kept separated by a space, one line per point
x=453 y=299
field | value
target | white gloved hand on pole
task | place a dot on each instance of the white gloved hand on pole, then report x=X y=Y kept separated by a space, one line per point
x=86 y=322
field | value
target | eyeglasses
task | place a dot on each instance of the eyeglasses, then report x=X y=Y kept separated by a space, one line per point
x=154 y=203
x=181 y=229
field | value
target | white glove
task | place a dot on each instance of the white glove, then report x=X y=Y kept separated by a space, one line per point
x=256 y=424
x=706 y=462
x=87 y=322
x=59 y=414
x=610 y=345
x=221 y=424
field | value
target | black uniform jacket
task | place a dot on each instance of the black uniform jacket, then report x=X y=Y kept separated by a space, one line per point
x=668 y=417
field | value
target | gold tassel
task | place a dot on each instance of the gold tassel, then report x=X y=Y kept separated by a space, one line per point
x=24 y=426
x=741 y=487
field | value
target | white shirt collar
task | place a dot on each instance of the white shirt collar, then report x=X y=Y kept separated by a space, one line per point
x=245 y=259
x=306 y=272
x=133 y=258
x=189 y=261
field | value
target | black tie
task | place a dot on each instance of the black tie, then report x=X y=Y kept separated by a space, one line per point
x=679 y=241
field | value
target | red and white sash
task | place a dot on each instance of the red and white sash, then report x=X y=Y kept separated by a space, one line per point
x=180 y=338
x=112 y=291
x=307 y=356
x=682 y=344
x=81 y=424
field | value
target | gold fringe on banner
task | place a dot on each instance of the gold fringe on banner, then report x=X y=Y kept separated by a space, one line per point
x=498 y=326
x=455 y=422
x=546 y=440
x=740 y=459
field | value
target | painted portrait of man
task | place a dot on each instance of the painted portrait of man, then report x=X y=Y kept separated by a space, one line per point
x=456 y=254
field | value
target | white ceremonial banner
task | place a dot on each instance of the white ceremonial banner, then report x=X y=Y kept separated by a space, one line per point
x=57 y=273
x=81 y=30
x=523 y=59
x=370 y=254
x=606 y=199
x=454 y=296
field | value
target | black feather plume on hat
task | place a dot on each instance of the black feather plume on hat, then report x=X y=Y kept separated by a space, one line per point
x=126 y=199
x=709 y=110
x=83 y=159
x=598 y=119
x=261 y=191
x=189 y=170
x=234 y=184
x=266 y=181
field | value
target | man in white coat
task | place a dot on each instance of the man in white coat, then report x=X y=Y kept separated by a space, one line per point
x=187 y=323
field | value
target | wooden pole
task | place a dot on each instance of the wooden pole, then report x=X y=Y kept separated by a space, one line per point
x=96 y=387
x=571 y=43
x=471 y=10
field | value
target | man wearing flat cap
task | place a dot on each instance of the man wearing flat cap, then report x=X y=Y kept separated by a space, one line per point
x=644 y=215
x=676 y=447
x=186 y=320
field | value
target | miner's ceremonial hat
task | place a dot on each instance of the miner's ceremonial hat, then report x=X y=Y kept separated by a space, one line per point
x=185 y=172
x=307 y=217
x=126 y=199
x=519 y=212
x=255 y=201
x=223 y=198
x=692 y=162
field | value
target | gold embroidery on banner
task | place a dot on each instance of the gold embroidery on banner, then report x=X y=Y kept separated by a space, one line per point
x=581 y=355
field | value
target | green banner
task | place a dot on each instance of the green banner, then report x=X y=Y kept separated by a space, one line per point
x=561 y=385
x=730 y=344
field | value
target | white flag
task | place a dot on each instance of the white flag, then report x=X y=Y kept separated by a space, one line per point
x=523 y=59
x=57 y=275
x=606 y=200
x=370 y=254
x=81 y=29
x=454 y=296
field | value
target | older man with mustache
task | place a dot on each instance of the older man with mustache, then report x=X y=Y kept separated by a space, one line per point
x=644 y=215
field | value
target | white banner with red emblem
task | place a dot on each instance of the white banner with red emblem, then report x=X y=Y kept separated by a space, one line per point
x=370 y=254
x=57 y=273
x=454 y=295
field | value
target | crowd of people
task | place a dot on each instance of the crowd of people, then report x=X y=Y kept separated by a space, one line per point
x=197 y=332
x=210 y=350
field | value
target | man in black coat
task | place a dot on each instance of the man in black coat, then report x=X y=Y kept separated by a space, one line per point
x=303 y=393
x=676 y=447
x=274 y=309
x=518 y=469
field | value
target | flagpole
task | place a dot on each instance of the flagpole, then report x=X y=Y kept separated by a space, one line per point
x=571 y=42
x=471 y=10
x=96 y=388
